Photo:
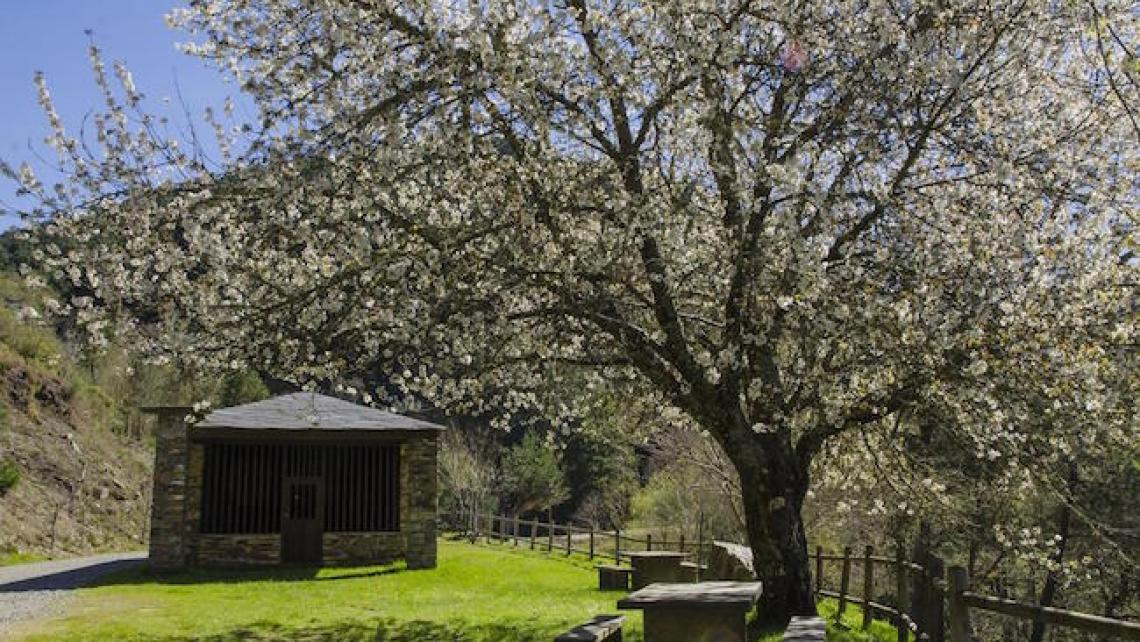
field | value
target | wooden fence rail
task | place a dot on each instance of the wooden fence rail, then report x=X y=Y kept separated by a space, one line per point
x=962 y=599
x=935 y=606
x=591 y=542
x=905 y=575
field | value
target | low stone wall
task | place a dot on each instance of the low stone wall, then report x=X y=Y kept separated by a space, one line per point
x=238 y=550
x=361 y=548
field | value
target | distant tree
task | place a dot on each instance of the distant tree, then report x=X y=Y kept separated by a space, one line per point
x=532 y=475
x=15 y=250
x=242 y=387
x=467 y=473
x=601 y=464
x=692 y=486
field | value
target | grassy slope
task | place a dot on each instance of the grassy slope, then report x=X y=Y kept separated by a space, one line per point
x=477 y=594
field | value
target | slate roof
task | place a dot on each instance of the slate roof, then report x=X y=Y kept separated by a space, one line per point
x=310 y=411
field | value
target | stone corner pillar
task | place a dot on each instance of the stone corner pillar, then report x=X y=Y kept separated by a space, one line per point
x=419 y=499
x=168 y=546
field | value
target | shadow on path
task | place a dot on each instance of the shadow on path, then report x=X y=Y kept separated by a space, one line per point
x=237 y=575
x=69 y=578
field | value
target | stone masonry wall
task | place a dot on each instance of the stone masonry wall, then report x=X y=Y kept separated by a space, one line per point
x=196 y=459
x=362 y=548
x=239 y=550
x=168 y=508
x=418 y=497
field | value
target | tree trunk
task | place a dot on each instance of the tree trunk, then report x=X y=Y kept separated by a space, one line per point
x=773 y=486
x=1049 y=592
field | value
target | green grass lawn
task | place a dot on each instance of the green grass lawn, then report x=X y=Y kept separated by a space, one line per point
x=478 y=593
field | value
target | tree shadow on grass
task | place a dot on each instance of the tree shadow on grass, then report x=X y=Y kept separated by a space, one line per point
x=388 y=630
x=247 y=574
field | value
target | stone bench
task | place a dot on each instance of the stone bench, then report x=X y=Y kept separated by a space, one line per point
x=688 y=612
x=693 y=571
x=804 y=628
x=613 y=578
x=650 y=567
x=603 y=628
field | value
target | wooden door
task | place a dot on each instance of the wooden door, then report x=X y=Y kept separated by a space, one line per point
x=302 y=520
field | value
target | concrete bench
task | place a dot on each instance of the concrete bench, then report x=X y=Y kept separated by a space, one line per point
x=603 y=628
x=613 y=578
x=806 y=629
x=693 y=571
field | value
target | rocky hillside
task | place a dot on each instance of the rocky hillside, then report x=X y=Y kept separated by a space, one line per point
x=80 y=484
x=81 y=488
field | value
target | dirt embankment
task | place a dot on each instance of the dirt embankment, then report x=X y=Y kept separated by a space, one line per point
x=82 y=488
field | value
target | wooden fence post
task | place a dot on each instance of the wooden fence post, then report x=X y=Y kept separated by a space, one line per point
x=568 y=545
x=700 y=535
x=901 y=600
x=868 y=585
x=617 y=546
x=818 y=569
x=490 y=526
x=516 y=529
x=929 y=603
x=938 y=593
x=682 y=545
x=844 y=583
x=960 y=630
x=549 y=537
x=533 y=530
x=649 y=541
x=591 y=542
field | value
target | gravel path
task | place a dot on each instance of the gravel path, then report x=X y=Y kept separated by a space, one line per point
x=40 y=589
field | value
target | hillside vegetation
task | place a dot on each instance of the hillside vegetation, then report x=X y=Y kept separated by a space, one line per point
x=72 y=482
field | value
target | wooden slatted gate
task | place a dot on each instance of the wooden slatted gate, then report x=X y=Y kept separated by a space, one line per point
x=300 y=491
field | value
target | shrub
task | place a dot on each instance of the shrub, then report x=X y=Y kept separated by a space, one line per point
x=9 y=476
x=532 y=475
x=92 y=405
x=243 y=387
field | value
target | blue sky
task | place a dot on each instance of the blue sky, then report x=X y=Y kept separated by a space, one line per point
x=48 y=35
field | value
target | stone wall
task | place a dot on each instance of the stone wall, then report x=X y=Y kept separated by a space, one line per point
x=196 y=458
x=239 y=550
x=168 y=523
x=362 y=548
x=418 y=497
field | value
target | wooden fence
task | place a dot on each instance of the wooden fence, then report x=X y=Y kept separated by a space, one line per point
x=926 y=601
x=594 y=543
x=962 y=599
x=921 y=598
